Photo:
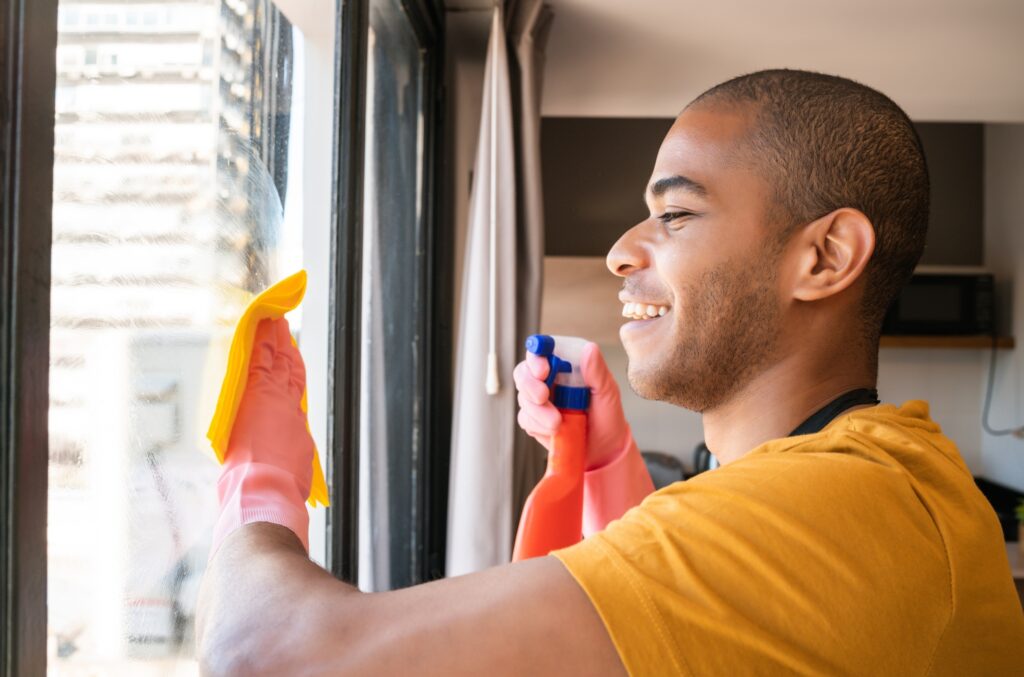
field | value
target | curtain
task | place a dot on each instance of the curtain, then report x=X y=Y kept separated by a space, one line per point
x=530 y=23
x=493 y=465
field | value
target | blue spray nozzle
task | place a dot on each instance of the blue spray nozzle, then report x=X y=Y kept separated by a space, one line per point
x=544 y=346
x=540 y=344
x=563 y=395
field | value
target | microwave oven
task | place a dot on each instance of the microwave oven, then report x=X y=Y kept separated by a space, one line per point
x=946 y=300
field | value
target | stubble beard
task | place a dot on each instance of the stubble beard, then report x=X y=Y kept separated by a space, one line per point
x=728 y=333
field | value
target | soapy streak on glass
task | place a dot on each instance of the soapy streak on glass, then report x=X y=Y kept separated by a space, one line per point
x=165 y=218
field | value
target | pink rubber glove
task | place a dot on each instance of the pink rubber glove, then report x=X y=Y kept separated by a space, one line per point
x=616 y=478
x=268 y=468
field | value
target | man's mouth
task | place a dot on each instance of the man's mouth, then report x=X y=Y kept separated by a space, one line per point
x=639 y=310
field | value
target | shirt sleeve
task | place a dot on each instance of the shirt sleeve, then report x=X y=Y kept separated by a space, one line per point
x=764 y=565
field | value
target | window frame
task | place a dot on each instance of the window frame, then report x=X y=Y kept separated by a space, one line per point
x=343 y=352
x=28 y=83
x=434 y=316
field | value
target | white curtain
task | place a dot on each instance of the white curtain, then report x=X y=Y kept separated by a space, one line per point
x=480 y=494
x=493 y=465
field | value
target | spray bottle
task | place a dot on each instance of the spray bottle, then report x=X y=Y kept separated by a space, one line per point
x=553 y=515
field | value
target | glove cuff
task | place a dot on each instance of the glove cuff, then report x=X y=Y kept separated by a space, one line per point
x=613 y=488
x=258 y=492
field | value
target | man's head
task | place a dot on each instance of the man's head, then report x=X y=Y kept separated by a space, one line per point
x=787 y=209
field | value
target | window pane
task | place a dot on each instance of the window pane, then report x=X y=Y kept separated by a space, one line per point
x=392 y=261
x=171 y=167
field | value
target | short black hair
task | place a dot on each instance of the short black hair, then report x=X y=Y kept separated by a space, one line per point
x=827 y=142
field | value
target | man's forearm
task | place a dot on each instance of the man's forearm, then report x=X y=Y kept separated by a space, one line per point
x=260 y=601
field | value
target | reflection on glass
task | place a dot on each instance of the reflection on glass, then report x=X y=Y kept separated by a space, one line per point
x=172 y=132
x=392 y=262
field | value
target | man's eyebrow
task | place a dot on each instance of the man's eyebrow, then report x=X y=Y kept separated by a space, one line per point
x=661 y=186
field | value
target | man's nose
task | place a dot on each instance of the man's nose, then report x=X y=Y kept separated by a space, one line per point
x=630 y=253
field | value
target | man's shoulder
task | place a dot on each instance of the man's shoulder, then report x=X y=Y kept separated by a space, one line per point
x=885 y=442
x=877 y=468
x=802 y=476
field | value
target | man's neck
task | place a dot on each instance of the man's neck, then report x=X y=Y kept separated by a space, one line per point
x=778 y=400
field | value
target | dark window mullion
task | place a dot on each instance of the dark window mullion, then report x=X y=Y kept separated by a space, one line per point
x=346 y=275
x=28 y=30
x=436 y=242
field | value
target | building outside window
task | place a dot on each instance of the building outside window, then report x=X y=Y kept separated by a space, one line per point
x=170 y=187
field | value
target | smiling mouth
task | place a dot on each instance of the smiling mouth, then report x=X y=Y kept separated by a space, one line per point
x=643 y=311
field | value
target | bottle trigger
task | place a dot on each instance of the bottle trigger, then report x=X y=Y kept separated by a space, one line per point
x=557 y=366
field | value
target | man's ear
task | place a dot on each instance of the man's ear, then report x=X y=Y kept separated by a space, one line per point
x=832 y=252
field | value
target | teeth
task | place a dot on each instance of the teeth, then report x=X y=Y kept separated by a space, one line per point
x=643 y=311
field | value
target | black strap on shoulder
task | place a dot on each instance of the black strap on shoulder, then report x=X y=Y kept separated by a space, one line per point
x=824 y=416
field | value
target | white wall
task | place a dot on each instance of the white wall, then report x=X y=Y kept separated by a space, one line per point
x=1003 y=457
x=939 y=59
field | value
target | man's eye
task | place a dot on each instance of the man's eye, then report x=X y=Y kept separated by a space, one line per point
x=669 y=217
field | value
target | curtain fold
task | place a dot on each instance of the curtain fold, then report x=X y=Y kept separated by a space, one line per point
x=529 y=26
x=494 y=465
x=480 y=484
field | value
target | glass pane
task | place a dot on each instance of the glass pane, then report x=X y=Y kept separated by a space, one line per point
x=392 y=263
x=171 y=168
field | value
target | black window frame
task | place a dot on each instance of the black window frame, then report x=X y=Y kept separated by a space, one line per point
x=28 y=83
x=434 y=316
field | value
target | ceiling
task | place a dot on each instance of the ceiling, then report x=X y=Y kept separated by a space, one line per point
x=957 y=60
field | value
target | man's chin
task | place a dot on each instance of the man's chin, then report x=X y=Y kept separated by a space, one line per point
x=656 y=382
x=648 y=381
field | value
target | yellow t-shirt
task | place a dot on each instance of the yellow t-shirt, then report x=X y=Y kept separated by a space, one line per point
x=865 y=548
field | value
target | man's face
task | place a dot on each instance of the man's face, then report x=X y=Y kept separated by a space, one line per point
x=704 y=264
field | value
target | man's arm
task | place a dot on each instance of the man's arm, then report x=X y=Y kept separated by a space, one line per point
x=616 y=478
x=265 y=608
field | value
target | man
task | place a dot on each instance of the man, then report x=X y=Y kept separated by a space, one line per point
x=786 y=211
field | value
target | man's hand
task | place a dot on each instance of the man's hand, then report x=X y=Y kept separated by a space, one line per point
x=608 y=433
x=270 y=426
x=616 y=478
x=268 y=468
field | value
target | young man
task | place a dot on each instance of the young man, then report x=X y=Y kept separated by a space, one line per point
x=838 y=537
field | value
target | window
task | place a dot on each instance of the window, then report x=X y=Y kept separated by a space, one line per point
x=392 y=264
x=175 y=194
x=397 y=488
x=170 y=205
x=69 y=56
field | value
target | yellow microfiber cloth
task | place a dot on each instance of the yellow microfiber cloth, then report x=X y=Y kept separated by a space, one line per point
x=273 y=303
